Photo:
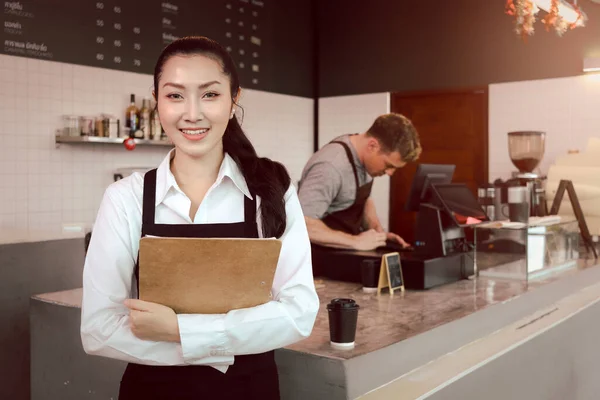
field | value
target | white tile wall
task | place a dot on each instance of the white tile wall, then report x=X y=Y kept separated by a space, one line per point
x=280 y=126
x=44 y=186
x=567 y=109
x=349 y=114
x=355 y=114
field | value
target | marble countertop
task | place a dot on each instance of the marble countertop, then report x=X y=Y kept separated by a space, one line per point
x=13 y=236
x=384 y=320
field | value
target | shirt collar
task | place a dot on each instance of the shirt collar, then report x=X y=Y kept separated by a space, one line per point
x=165 y=179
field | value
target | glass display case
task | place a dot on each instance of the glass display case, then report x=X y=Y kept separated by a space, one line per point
x=525 y=251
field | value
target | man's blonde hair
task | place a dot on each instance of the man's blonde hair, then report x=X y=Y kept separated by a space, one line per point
x=395 y=132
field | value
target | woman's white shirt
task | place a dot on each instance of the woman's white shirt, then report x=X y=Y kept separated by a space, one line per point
x=206 y=339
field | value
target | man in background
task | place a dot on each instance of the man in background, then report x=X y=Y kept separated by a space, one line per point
x=335 y=186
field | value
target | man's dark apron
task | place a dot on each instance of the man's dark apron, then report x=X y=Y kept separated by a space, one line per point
x=250 y=377
x=349 y=220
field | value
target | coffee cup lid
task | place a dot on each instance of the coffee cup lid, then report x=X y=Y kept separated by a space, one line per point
x=340 y=304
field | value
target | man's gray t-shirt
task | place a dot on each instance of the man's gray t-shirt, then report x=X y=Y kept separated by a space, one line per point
x=327 y=184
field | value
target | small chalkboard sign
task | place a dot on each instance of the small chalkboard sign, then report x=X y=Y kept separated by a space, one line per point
x=390 y=273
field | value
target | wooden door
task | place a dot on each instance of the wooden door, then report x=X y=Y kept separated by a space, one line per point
x=453 y=128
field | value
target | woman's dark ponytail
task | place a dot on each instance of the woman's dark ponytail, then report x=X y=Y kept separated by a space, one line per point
x=265 y=178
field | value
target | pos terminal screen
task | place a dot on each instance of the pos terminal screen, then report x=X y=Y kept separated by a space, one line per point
x=461 y=203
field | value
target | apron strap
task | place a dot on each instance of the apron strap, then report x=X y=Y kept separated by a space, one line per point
x=351 y=159
x=148 y=200
x=250 y=222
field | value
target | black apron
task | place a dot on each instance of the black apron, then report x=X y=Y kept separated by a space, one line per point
x=349 y=220
x=251 y=376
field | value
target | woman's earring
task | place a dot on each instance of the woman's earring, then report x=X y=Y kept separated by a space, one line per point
x=232 y=114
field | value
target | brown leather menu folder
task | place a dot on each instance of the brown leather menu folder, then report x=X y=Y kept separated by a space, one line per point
x=207 y=275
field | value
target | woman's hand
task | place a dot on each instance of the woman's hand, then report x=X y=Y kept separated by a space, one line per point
x=152 y=321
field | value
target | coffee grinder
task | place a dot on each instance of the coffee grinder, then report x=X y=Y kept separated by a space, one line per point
x=526 y=150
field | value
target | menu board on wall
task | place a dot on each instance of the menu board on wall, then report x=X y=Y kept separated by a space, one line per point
x=129 y=35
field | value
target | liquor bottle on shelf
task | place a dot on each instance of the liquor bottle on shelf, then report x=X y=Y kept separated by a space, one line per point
x=132 y=119
x=156 y=126
x=145 y=118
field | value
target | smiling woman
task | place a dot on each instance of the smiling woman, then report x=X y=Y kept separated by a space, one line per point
x=193 y=100
x=213 y=184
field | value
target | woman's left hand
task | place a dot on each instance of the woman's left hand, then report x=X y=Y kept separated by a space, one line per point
x=152 y=321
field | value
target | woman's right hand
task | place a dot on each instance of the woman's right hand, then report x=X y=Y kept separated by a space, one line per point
x=152 y=321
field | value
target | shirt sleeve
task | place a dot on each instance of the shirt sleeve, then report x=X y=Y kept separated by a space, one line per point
x=319 y=187
x=107 y=282
x=288 y=318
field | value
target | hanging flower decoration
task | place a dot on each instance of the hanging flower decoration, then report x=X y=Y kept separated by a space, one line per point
x=580 y=21
x=524 y=12
x=554 y=20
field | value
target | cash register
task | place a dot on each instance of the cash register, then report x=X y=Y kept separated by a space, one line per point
x=445 y=211
x=441 y=252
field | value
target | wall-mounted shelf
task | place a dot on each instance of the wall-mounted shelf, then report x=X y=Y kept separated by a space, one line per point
x=106 y=140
